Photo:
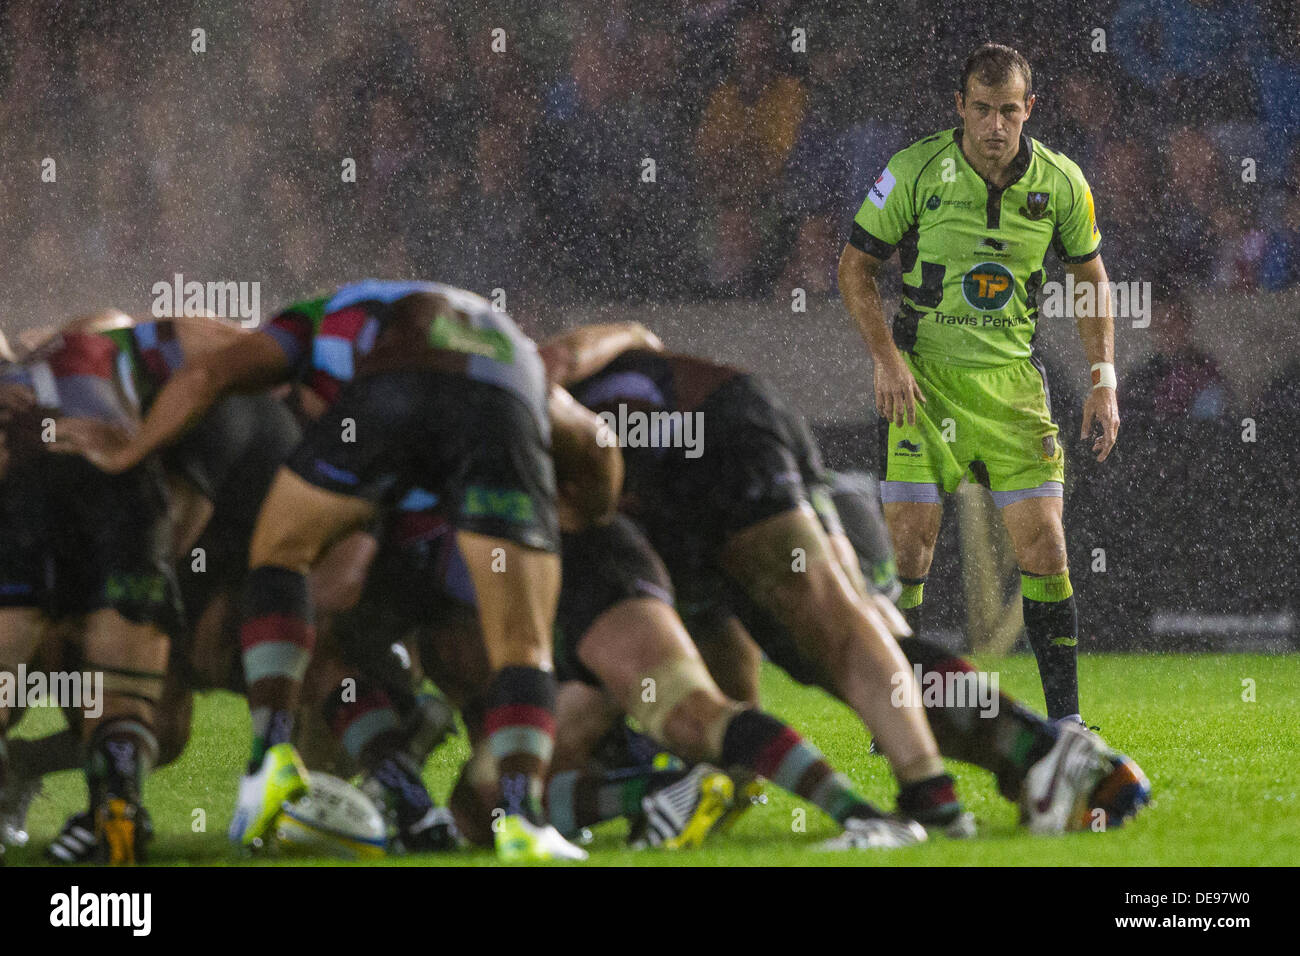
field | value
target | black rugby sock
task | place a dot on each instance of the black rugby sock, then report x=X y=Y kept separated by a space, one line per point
x=1052 y=626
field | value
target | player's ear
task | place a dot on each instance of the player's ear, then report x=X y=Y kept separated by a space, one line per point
x=958 y=99
x=1029 y=104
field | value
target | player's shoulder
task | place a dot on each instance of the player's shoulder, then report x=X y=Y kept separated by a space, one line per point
x=312 y=309
x=911 y=161
x=1057 y=163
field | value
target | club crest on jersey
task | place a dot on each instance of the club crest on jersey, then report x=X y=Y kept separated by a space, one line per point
x=1035 y=206
x=987 y=286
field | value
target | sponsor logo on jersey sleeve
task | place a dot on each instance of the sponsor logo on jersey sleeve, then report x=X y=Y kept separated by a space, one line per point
x=881 y=188
x=1092 y=213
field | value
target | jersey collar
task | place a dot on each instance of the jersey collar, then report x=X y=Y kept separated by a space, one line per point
x=1019 y=165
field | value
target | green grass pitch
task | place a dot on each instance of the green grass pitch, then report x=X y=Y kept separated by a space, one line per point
x=1225 y=772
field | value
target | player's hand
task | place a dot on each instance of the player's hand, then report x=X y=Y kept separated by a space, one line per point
x=1102 y=409
x=105 y=446
x=15 y=399
x=896 y=390
x=647 y=338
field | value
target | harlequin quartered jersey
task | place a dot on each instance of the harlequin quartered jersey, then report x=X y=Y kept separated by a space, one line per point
x=972 y=255
x=328 y=339
x=110 y=374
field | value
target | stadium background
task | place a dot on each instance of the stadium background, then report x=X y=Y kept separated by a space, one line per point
x=522 y=171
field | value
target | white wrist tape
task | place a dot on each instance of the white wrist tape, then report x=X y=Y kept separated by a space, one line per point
x=1103 y=375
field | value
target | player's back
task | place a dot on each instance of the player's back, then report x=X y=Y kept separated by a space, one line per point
x=650 y=380
x=376 y=326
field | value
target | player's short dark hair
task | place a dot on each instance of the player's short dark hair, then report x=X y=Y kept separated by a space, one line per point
x=993 y=64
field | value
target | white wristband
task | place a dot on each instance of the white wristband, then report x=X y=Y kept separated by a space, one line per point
x=1103 y=375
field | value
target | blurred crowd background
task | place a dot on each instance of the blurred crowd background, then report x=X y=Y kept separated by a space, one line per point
x=524 y=168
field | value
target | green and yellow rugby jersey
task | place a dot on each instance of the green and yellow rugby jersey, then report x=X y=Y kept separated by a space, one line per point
x=972 y=255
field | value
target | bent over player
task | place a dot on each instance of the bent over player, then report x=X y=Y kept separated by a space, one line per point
x=423 y=385
x=971 y=213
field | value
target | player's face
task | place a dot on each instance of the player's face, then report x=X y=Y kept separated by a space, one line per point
x=993 y=117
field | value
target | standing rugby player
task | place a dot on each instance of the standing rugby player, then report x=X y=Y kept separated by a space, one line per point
x=971 y=212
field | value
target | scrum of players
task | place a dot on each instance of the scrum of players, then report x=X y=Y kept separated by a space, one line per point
x=391 y=482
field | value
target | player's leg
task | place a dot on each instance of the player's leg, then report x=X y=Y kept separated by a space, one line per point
x=1017 y=441
x=913 y=530
x=503 y=506
x=747 y=498
x=114 y=577
x=23 y=625
x=298 y=522
x=21 y=630
x=516 y=607
x=360 y=713
x=918 y=463
x=845 y=641
x=381 y=724
x=1031 y=757
x=579 y=795
x=645 y=660
x=852 y=500
x=584 y=713
x=1060 y=778
x=119 y=733
x=1051 y=620
x=24 y=637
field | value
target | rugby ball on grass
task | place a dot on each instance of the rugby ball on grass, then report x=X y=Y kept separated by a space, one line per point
x=333 y=819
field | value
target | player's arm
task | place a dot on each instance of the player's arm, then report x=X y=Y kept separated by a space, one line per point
x=896 y=390
x=1077 y=242
x=881 y=222
x=253 y=362
x=1097 y=332
x=588 y=463
x=573 y=355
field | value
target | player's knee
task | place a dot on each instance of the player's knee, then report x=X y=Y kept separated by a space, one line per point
x=1043 y=552
x=679 y=705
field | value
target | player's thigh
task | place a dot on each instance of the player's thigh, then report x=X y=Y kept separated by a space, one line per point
x=517 y=589
x=1037 y=533
x=300 y=520
x=914 y=531
x=642 y=655
x=604 y=567
x=786 y=559
x=927 y=452
x=786 y=567
x=501 y=500
x=376 y=439
x=1012 y=440
x=732 y=656
x=339 y=577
